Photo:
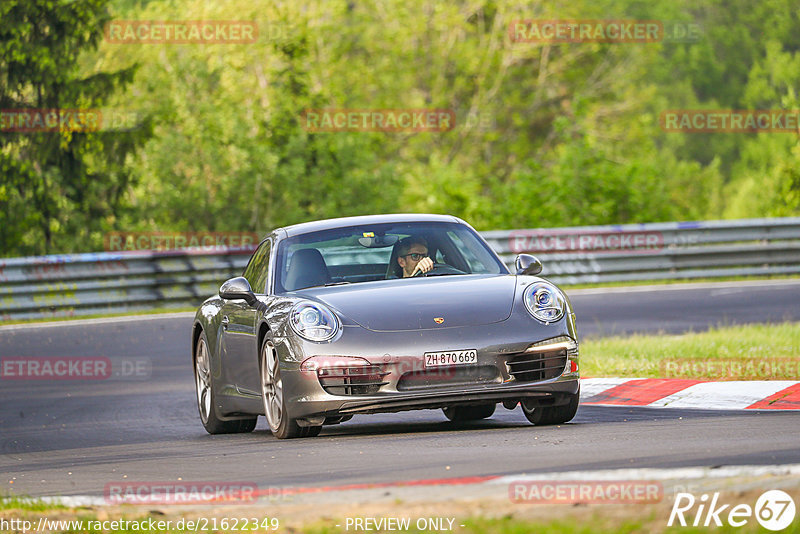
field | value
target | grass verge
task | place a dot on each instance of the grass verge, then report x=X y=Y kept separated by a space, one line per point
x=748 y=352
x=149 y=311
x=490 y=516
x=673 y=281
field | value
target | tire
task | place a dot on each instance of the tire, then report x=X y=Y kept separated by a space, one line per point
x=469 y=413
x=552 y=415
x=280 y=424
x=313 y=431
x=206 y=398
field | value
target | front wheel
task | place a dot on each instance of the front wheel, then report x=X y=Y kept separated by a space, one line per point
x=552 y=415
x=205 y=396
x=281 y=425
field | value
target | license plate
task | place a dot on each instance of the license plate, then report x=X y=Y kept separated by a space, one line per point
x=455 y=357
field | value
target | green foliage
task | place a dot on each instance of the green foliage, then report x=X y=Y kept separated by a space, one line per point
x=61 y=185
x=545 y=134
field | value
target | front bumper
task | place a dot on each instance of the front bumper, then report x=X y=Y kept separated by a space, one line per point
x=405 y=384
x=550 y=394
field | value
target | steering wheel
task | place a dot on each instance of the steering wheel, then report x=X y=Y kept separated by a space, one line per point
x=439 y=269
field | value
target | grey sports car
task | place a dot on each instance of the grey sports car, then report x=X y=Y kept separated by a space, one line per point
x=382 y=313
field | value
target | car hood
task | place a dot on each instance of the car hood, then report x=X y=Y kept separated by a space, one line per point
x=423 y=303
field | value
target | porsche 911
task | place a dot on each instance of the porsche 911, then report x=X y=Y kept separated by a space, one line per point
x=382 y=313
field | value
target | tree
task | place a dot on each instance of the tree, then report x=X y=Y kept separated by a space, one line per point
x=64 y=178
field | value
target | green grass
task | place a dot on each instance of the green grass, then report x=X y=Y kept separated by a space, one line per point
x=648 y=356
x=564 y=525
x=28 y=504
x=152 y=311
x=672 y=281
x=506 y=525
x=598 y=524
x=566 y=519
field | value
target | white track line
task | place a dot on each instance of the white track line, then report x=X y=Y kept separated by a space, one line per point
x=594 y=386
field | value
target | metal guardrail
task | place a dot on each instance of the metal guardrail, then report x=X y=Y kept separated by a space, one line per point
x=680 y=250
x=111 y=282
x=108 y=282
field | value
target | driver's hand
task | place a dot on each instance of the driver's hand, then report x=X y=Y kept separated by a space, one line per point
x=424 y=265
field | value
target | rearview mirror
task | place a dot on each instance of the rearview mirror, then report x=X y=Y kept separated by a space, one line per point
x=528 y=265
x=237 y=288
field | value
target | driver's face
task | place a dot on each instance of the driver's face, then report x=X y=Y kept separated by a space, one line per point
x=407 y=262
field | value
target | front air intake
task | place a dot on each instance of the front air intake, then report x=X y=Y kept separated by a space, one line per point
x=542 y=361
x=357 y=380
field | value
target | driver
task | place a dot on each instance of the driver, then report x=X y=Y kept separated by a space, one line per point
x=412 y=256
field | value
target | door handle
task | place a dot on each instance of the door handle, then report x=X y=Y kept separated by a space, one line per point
x=225 y=322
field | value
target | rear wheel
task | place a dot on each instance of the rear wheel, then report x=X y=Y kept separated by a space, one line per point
x=552 y=415
x=281 y=425
x=469 y=413
x=205 y=396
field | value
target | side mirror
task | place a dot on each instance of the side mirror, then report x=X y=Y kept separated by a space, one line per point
x=527 y=264
x=237 y=288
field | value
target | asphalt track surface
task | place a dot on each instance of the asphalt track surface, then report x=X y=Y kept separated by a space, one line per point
x=74 y=437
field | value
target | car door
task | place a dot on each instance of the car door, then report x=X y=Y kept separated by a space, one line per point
x=241 y=339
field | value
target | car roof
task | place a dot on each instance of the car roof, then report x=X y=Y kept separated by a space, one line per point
x=343 y=222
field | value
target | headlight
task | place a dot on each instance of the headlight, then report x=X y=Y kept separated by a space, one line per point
x=313 y=321
x=545 y=302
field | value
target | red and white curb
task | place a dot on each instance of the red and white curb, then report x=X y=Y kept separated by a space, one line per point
x=682 y=393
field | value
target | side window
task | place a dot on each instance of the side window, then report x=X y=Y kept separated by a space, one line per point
x=257 y=270
x=263 y=270
x=475 y=265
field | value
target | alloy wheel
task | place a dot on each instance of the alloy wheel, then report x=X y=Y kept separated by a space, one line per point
x=202 y=375
x=271 y=385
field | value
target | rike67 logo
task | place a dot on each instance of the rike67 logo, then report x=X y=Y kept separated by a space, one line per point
x=774 y=510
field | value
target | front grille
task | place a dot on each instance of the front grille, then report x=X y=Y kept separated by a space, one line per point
x=467 y=375
x=535 y=366
x=357 y=380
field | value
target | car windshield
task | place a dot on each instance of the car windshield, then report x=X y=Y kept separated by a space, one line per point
x=369 y=253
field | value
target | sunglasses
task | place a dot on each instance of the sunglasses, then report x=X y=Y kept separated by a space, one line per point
x=416 y=256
